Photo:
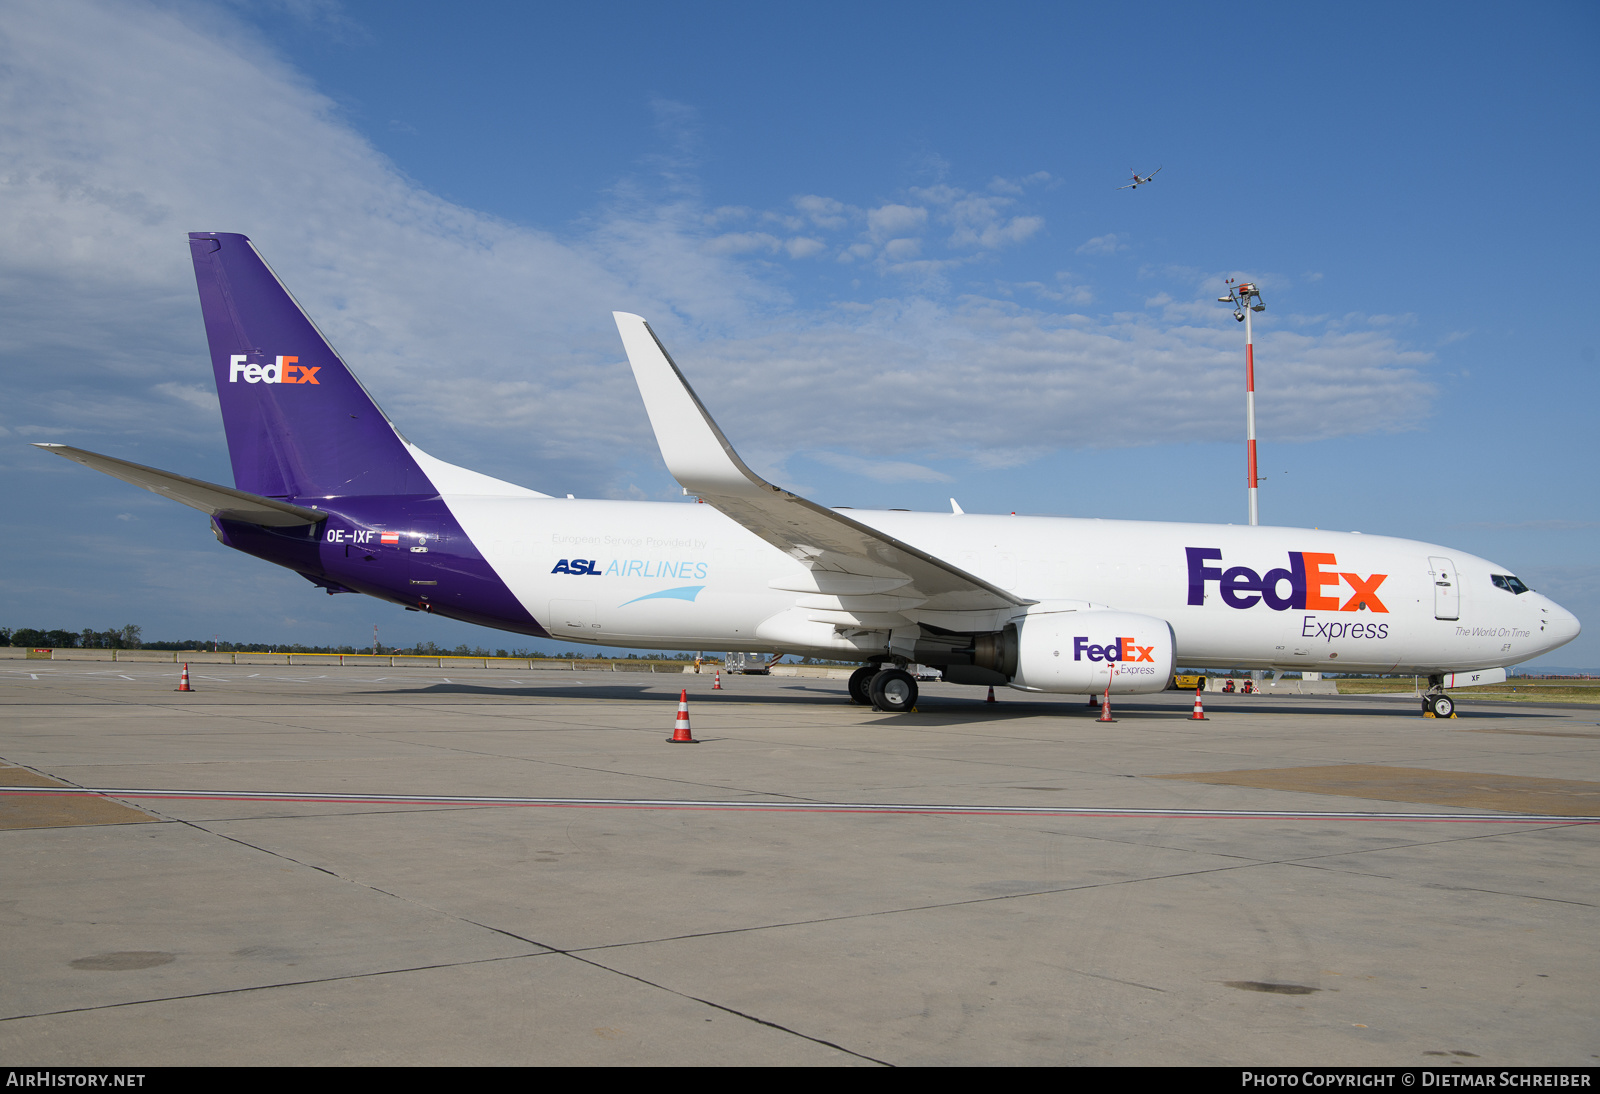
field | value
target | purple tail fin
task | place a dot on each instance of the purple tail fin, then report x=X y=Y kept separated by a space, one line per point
x=299 y=423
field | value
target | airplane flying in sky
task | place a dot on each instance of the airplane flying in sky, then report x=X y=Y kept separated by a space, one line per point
x=325 y=485
x=1139 y=180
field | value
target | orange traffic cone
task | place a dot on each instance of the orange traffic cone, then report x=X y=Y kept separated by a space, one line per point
x=680 y=728
x=991 y=694
x=1105 y=707
x=1199 y=714
x=183 y=680
x=716 y=685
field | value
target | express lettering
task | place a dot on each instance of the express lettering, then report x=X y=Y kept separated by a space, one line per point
x=1119 y=649
x=1307 y=575
x=1311 y=627
x=283 y=370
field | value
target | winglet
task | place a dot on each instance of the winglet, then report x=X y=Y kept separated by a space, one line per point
x=700 y=457
x=695 y=450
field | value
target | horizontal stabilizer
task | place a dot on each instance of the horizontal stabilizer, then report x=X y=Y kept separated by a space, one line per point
x=208 y=497
x=700 y=457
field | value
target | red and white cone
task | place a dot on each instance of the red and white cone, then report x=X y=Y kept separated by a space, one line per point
x=716 y=685
x=680 y=728
x=991 y=694
x=1199 y=714
x=183 y=680
x=1105 y=707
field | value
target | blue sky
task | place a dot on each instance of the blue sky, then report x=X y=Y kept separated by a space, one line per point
x=885 y=241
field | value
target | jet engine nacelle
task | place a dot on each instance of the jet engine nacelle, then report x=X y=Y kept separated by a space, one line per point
x=1082 y=651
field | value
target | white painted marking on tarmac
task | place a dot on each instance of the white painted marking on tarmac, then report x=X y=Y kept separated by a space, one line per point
x=806 y=807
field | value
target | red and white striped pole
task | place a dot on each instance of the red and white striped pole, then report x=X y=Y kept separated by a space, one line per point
x=1250 y=405
x=1245 y=299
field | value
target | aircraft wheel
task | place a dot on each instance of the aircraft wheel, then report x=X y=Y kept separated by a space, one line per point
x=894 y=691
x=861 y=682
x=1443 y=706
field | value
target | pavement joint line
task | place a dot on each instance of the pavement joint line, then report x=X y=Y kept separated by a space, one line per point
x=728 y=1010
x=277 y=984
x=933 y=907
x=548 y=949
x=1110 y=811
x=1313 y=865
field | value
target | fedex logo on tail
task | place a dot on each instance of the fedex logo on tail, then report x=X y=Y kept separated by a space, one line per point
x=283 y=370
x=1118 y=649
x=1307 y=575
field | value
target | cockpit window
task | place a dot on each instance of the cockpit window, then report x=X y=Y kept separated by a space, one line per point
x=1508 y=583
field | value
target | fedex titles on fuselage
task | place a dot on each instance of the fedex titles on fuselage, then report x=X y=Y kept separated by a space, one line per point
x=1307 y=575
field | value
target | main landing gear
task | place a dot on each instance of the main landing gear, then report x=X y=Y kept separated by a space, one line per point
x=1436 y=704
x=890 y=690
x=861 y=681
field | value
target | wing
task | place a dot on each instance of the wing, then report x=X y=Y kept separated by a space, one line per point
x=865 y=577
x=208 y=497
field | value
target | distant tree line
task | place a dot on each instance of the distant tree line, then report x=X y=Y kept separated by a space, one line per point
x=130 y=638
x=122 y=638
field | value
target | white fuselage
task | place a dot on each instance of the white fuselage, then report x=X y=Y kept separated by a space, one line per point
x=675 y=575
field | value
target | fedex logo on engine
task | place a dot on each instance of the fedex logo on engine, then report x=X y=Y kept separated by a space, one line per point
x=283 y=370
x=1307 y=575
x=1118 y=649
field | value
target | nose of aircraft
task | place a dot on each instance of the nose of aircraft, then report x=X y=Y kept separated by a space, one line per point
x=1559 y=625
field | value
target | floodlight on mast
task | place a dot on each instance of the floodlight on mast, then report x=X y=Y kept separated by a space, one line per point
x=1246 y=298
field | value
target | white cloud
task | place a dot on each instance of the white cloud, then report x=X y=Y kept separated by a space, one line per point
x=1102 y=245
x=825 y=213
x=902 y=250
x=892 y=221
x=804 y=247
x=491 y=343
x=199 y=398
x=881 y=470
x=735 y=243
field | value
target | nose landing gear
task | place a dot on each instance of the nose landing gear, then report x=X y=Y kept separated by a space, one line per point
x=1436 y=704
